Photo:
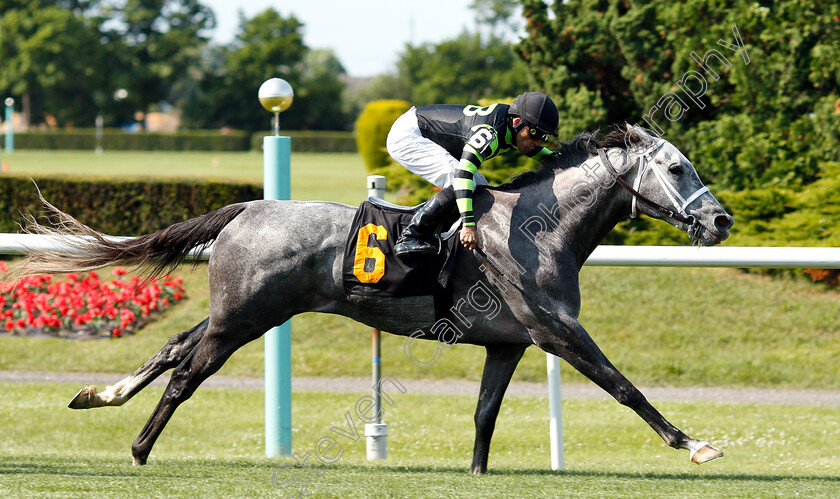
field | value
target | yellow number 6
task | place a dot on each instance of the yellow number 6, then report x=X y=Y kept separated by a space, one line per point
x=363 y=252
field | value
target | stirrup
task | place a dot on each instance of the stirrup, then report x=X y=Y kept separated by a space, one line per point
x=411 y=247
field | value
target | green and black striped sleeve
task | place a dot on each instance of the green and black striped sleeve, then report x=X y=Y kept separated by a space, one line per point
x=482 y=144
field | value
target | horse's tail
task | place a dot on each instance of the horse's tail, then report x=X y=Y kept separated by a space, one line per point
x=87 y=249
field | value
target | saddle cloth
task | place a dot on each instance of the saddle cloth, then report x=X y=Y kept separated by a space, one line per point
x=371 y=268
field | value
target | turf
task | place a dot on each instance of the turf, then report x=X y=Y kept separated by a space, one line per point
x=213 y=448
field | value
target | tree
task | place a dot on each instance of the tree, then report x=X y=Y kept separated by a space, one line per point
x=38 y=62
x=321 y=93
x=266 y=46
x=463 y=70
x=739 y=86
x=162 y=40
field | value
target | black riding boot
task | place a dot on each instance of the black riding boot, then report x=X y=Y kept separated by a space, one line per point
x=418 y=237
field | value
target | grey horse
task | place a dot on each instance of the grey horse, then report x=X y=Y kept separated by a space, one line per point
x=272 y=260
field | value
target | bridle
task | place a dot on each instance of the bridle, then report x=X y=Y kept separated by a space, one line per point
x=673 y=195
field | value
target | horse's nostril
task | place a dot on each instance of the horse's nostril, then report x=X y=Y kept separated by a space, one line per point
x=724 y=221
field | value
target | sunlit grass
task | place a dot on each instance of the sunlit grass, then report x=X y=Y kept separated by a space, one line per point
x=213 y=447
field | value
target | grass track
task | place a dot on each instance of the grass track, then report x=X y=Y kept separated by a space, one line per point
x=213 y=448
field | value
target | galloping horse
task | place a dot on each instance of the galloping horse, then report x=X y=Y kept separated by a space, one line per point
x=272 y=260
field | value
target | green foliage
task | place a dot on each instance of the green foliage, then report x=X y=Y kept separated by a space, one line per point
x=269 y=45
x=312 y=141
x=160 y=41
x=372 y=129
x=188 y=140
x=36 y=68
x=116 y=140
x=766 y=115
x=119 y=205
x=802 y=216
x=462 y=71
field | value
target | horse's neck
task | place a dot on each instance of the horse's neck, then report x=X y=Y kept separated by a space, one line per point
x=589 y=205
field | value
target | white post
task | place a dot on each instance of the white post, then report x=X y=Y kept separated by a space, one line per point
x=376 y=434
x=555 y=424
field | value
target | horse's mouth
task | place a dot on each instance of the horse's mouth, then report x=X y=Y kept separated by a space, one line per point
x=709 y=237
x=702 y=235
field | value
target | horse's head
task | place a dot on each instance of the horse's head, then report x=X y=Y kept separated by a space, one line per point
x=665 y=177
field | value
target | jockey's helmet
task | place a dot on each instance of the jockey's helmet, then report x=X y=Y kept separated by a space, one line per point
x=538 y=111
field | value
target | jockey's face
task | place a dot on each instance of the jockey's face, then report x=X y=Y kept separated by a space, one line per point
x=523 y=141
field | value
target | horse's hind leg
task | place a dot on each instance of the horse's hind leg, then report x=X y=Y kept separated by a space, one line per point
x=206 y=358
x=175 y=350
x=499 y=365
x=579 y=350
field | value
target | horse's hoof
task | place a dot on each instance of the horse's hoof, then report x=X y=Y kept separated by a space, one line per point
x=138 y=461
x=84 y=398
x=705 y=454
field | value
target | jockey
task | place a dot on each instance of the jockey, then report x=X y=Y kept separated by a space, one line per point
x=427 y=141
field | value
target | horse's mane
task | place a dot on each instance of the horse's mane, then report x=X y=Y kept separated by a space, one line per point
x=579 y=149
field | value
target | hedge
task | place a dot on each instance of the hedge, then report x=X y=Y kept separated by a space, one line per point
x=85 y=139
x=312 y=141
x=120 y=205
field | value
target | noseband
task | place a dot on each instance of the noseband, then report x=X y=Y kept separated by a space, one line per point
x=673 y=195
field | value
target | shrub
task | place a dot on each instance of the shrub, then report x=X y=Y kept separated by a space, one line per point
x=372 y=130
x=120 y=205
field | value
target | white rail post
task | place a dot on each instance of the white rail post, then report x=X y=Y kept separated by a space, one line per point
x=376 y=434
x=555 y=412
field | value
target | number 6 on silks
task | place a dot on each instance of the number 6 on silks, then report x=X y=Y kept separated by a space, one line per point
x=363 y=252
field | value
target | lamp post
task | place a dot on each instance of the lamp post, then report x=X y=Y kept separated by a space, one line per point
x=276 y=96
x=10 y=126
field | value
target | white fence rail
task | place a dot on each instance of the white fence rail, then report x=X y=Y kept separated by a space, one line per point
x=627 y=256
x=11 y=244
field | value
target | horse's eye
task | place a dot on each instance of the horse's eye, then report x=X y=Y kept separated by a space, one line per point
x=675 y=169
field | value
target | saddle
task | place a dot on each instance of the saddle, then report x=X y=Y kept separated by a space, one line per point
x=370 y=267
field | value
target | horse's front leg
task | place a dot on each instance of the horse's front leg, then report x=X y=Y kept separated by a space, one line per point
x=499 y=365
x=573 y=344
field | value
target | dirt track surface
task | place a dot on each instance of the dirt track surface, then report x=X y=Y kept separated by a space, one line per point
x=362 y=385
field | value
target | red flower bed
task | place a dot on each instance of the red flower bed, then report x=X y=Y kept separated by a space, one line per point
x=82 y=305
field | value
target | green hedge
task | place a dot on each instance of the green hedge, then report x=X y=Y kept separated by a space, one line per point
x=85 y=139
x=119 y=205
x=312 y=141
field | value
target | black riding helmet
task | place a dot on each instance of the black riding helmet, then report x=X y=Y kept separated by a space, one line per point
x=538 y=111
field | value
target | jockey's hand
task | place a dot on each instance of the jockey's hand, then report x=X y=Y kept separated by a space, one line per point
x=469 y=238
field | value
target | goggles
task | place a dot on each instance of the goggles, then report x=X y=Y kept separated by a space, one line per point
x=537 y=134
